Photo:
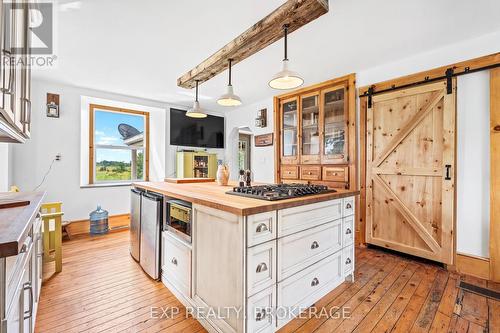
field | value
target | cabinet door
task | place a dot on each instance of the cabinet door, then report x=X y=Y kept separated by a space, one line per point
x=6 y=64
x=334 y=125
x=26 y=77
x=19 y=33
x=289 y=113
x=309 y=124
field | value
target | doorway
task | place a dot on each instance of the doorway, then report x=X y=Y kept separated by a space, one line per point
x=244 y=151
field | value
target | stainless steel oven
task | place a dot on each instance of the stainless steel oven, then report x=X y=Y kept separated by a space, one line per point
x=179 y=219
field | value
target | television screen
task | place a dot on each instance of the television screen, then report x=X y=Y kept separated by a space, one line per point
x=205 y=132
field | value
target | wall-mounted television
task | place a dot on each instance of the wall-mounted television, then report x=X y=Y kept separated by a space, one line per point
x=195 y=132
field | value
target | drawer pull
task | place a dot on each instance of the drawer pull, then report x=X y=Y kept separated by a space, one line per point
x=28 y=314
x=174 y=261
x=309 y=173
x=260 y=315
x=314 y=245
x=314 y=282
x=348 y=261
x=261 y=228
x=262 y=267
x=348 y=206
x=348 y=231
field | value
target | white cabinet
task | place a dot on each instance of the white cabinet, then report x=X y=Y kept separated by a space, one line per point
x=176 y=263
x=261 y=267
x=270 y=266
x=301 y=290
x=300 y=250
x=296 y=219
x=260 y=308
x=15 y=73
x=23 y=281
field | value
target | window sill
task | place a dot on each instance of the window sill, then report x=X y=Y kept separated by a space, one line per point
x=106 y=185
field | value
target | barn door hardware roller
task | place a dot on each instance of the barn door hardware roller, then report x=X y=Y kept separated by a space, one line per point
x=449 y=83
x=370 y=94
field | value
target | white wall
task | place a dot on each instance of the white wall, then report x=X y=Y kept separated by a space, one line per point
x=5 y=171
x=473 y=169
x=262 y=158
x=51 y=136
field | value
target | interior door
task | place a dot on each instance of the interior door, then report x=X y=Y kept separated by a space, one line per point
x=410 y=171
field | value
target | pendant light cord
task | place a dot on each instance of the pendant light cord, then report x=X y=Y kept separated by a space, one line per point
x=230 y=61
x=196 y=91
x=285 y=28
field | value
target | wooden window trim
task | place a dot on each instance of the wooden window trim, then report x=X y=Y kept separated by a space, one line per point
x=92 y=108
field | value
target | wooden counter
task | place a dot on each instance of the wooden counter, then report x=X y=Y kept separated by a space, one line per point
x=214 y=196
x=16 y=222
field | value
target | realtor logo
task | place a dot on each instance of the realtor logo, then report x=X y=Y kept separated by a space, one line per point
x=39 y=35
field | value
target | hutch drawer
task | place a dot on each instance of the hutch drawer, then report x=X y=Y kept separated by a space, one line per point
x=335 y=174
x=289 y=172
x=310 y=172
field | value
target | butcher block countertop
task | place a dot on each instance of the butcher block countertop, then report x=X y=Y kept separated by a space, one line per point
x=15 y=222
x=214 y=196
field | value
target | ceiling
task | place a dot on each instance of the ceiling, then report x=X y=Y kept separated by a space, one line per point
x=140 y=47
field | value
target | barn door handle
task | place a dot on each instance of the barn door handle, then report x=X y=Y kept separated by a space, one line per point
x=448 y=171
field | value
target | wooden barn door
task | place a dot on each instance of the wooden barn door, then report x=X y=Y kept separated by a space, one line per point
x=410 y=171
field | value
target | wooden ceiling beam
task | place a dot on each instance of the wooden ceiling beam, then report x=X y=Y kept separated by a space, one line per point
x=296 y=13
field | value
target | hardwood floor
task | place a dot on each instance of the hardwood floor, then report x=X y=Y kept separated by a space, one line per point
x=101 y=289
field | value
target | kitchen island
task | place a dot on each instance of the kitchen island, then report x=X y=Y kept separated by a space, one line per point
x=21 y=253
x=253 y=265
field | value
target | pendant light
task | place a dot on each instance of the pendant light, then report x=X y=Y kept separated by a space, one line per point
x=196 y=111
x=286 y=79
x=229 y=98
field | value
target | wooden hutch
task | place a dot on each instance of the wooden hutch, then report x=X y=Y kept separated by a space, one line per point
x=315 y=134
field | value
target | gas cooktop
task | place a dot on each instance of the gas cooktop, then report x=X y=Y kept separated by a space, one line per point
x=280 y=191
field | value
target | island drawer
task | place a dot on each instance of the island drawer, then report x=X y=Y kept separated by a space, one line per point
x=289 y=172
x=176 y=263
x=261 y=267
x=310 y=172
x=348 y=206
x=335 y=174
x=300 y=250
x=295 y=219
x=308 y=286
x=261 y=228
x=260 y=316
x=348 y=260
x=348 y=230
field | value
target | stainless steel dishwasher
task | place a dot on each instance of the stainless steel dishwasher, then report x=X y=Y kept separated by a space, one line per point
x=135 y=222
x=151 y=221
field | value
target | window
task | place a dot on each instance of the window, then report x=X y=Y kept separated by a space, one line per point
x=118 y=145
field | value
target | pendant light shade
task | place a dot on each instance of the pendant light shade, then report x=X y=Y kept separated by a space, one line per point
x=286 y=79
x=229 y=98
x=196 y=111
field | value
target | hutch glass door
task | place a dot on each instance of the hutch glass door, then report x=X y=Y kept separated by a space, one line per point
x=310 y=137
x=289 y=130
x=334 y=125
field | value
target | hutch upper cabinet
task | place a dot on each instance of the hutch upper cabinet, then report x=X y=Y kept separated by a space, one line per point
x=15 y=72
x=316 y=135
